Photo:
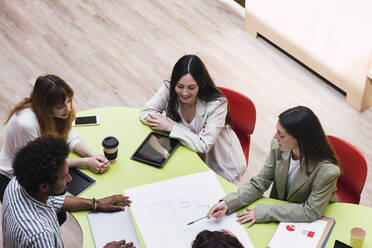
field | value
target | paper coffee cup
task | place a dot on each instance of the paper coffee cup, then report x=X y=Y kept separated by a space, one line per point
x=357 y=235
x=110 y=148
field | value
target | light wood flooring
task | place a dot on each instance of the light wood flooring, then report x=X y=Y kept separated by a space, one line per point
x=117 y=53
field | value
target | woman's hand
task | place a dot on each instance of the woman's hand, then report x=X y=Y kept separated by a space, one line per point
x=159 y=122
x=113 y=203
x=218 y=210
x=247 y=216
x=97 y=163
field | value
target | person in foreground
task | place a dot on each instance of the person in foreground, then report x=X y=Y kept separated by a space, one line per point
x=48 y=111
x=194 y=111
x=216 y=239
x=302 y=167
x=36 y=194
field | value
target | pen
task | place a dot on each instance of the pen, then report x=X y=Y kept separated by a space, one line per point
x=192 y=222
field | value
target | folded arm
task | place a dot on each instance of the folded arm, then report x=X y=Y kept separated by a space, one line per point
x=157 y=104
x=94 y=162
x=203 y=141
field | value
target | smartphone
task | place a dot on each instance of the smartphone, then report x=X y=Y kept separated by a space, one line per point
x=86 y=121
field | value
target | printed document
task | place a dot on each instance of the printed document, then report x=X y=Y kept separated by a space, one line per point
x=162 y=211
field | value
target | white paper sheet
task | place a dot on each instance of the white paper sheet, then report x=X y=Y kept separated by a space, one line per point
x=162 y=211
x=304 y=235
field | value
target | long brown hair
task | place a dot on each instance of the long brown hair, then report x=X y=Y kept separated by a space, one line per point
x=49 y=91
x=303 y=125
x=192 y=64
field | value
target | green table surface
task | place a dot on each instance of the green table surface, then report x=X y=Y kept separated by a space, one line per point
x=124 y=124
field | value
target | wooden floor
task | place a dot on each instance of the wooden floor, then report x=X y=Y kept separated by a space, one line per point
x=117 y=53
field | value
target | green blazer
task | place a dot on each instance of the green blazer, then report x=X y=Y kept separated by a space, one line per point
x=313 y=187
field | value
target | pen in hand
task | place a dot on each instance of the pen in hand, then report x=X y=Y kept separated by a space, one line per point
x=192 y=222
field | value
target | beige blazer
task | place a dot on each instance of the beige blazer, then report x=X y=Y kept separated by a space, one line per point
x=215 y=142
x=309 y=194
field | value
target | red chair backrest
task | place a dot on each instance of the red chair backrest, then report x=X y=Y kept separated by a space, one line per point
x=353 y=164
x=243 y=117
x=242 y=112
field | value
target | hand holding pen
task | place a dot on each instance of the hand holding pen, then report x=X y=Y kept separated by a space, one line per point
x=218 y=210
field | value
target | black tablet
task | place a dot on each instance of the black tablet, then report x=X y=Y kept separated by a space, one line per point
x=155 y=150
x=79 y=183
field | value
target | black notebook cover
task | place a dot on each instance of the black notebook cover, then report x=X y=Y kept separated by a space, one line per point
x=79 y=183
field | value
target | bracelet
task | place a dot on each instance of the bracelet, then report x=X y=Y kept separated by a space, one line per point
x=94 y=205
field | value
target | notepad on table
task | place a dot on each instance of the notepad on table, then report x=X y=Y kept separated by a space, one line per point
x=113 y=226
x=302 y=234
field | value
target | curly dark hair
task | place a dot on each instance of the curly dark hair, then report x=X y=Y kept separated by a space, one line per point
x=215 y=239
x=40 y=161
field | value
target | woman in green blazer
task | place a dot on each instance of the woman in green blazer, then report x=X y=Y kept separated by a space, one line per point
x=302 y=167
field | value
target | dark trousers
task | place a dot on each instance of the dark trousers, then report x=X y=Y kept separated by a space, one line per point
x=4 y=180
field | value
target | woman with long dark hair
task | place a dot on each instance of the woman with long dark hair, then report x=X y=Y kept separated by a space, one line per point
x=194 y=111
x=302 y=167
x=48 y=111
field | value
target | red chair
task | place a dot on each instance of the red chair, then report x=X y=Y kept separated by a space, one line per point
x=243 y=117
x=354 y=170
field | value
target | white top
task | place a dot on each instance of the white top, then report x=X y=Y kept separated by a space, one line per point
x=191 y=126
x=294 y=166
x=22 y=128
x=216 y=143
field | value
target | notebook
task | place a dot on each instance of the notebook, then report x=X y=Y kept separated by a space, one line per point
x=79 y=183
x=113 y=226
x=302 y=234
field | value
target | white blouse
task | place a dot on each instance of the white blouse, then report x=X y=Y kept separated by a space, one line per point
x=22 y=128
x=294 y=166
x=191 y=126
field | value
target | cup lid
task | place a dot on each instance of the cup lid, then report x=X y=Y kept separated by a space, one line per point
x=110 y=142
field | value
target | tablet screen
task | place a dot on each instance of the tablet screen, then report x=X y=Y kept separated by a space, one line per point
x=155 y=149
x=79 y=183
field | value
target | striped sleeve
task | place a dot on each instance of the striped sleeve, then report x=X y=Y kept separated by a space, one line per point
x=57 y=201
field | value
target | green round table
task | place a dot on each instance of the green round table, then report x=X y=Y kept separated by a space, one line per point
x=124 y=124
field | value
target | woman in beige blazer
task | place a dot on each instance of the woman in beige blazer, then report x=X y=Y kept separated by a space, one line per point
x=302 y=167
x=194 y=111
